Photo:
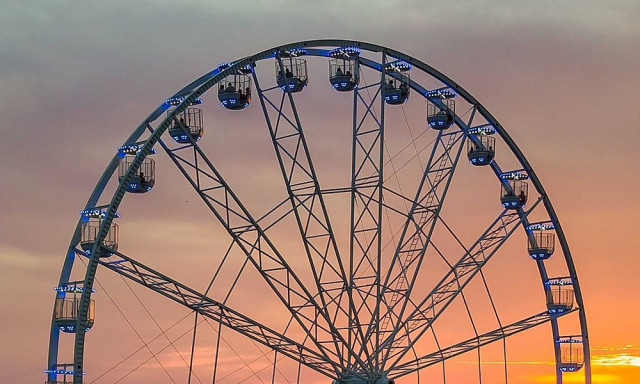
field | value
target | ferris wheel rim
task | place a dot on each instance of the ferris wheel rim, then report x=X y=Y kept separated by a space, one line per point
x=195 y=92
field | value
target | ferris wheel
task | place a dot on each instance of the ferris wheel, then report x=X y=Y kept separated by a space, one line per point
x=361 y=272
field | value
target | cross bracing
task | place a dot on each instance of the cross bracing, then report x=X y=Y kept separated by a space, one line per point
x=361 y=313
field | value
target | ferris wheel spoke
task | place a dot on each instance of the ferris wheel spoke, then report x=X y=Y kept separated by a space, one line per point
x=417 y=231
x=266 y=221
x=365 y=238
x=419 y=226
x=308 y=205
x=473 y=343
x=254 y=243
x=451 y=285
x=211 y=309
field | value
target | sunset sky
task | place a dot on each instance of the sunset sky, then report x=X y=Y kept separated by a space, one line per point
x=77 y=77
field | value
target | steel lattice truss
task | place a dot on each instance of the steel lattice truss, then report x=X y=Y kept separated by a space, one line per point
x=216 y=311
x=471 y=344
x=358 y=305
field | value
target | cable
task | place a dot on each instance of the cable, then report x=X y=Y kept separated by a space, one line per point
x=128 y=322
x=411 y=135
x=239 y=357
x=154 y=356
x=157 y=325
x=139 y=349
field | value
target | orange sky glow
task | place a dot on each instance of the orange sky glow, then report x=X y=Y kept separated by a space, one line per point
x=78 y=77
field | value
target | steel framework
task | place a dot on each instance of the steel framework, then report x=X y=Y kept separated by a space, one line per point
x=360 y=310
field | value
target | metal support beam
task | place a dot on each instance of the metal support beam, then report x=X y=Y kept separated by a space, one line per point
x=418 y=228
x=310 y=211
x=252 y=240
x=472 y=344
x=366 y=212
x=435 y=303
x=219 y=312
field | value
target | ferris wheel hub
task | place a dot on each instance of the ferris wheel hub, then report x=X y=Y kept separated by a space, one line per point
x=364 y=379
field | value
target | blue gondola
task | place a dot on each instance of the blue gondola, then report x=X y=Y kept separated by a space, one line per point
x=541 y=245
x=342 y=74
x=187 y=125
x=292 y=75
x=559 y=299
x=481 y=151
x=65 y=314
x=571 y=354
x=67 y=305
x=514 y=194
x=142 y=180
x=441 y=118
x=396 y=88
x=234 y=92
x=89 y=233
